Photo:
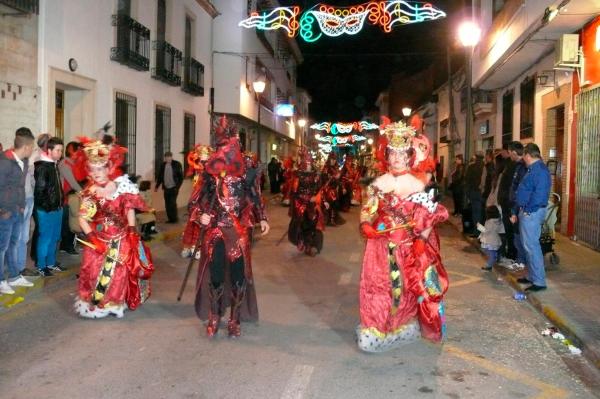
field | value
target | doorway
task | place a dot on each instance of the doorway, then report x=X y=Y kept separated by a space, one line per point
x=554 y=145
x=59 y=114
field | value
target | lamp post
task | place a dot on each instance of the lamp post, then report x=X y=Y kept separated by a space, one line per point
x=469 y=34
x=258 y=86
x=406 y=111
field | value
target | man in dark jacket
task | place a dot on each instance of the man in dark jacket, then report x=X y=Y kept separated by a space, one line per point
x=48 y=202
x=13 y=172
x=170 y=177
x=488 y=175
x=515 y=151
x=472 y=183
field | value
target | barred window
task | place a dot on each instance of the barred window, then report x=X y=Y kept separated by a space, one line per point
x=125 y=127
x=162 y=136
x=189 y=136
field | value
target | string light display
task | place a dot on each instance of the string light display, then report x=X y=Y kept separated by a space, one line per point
x=344 y=128
x=332 y=21
x=336 y=140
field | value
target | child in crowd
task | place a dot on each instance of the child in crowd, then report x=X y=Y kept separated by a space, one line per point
x=146 y=220
x=490 y=235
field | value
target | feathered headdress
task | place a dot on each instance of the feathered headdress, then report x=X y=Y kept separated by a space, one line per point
x=95 y=152
x=196 y=158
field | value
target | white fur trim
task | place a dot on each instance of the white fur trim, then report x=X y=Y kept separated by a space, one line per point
x=124 y=186
x=425 y=199
x=371 y=342
x=83 y=309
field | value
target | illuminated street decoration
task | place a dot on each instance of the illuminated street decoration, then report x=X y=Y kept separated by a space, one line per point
x=344 y=128
x=278 y=18
x=336 y=140
x=337 y=21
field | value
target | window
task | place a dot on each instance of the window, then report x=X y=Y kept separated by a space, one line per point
x=189 y=137
x=497 y=6
x=125 y=127
x=193 y=70
x=162 y=136
x=507 y=118
x=161 y=20
x=527 y=107
x=133 y=39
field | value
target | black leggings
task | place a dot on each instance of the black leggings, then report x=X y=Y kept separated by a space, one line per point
x=218 y=266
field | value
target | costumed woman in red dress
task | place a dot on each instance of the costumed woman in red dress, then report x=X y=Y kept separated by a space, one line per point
x=116 y=265
x=229 y=200
x=196 y=160
x=307 y=221
x=403 y=281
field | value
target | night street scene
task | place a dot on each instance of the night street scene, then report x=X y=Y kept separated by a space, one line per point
x=296 y=199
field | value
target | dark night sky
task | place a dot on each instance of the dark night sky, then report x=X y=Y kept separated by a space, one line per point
x=344 y=75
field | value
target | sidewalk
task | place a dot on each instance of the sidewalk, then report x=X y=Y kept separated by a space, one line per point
x=166 y=232
x=572 y=300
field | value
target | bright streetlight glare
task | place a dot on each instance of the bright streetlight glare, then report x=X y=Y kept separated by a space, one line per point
x=406 y=111
x=317 y=136
x=370 y=141
x=301 y=122
x=469 y=34
x=259 y=86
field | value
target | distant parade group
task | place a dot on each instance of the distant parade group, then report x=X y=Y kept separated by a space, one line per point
x=402 y=282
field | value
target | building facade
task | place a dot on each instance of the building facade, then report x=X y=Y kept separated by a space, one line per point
x=241 y=57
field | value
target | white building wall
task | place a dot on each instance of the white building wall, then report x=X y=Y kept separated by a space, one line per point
x=81 y=29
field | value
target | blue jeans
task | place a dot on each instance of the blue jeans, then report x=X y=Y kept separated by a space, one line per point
x=521 y=257
x=492 y=257
x=9 y=238
x=530 y=227
x=48 y=237
x=24 y=234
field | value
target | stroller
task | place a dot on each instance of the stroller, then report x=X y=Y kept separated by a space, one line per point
x=547 y=239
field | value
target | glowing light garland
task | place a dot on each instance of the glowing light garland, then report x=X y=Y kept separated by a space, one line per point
x=344 y=128
x=337 y=21
x=337 y=140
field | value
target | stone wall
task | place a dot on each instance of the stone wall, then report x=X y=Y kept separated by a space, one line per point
x=19 y=94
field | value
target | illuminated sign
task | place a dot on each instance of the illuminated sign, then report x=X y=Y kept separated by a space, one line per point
x=286 y=110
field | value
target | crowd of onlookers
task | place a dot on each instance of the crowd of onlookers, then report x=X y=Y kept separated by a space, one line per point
x=502 y=197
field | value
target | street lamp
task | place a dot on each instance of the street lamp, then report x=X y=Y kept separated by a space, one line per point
x=259 y=86
x=302 y=122
x=469 y=34
x=406 y=111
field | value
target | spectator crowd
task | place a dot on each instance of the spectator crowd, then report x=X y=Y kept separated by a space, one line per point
x=503 y=197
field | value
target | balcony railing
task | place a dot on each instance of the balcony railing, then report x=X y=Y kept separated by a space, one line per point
x=168 y=63
x=133 y=43
x=193 y=77
x=23 y=6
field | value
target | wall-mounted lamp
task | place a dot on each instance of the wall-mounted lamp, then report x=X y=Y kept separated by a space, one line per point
x=547 y=79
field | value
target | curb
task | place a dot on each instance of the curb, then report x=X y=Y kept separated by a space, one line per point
x=550 y=313
x=7 y=302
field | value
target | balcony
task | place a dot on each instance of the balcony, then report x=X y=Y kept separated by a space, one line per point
x=483 y=104
x=168 y=63
x=133 y=43
x=193 y=77
x=23 y=6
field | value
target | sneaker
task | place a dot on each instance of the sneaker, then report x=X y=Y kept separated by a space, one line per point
x=505 y=261
x=20 y=282
x=57 y=268
x=45 y=272
x=5 y=288
x=516 y=266
x=29 y=272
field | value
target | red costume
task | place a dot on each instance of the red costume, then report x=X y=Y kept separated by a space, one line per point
x=403 y=281
x=288 y=175
x=331 y=190
x=231 y=197
x=307 y=220
x=116 y=265
x=351 y=193
x=196 y=160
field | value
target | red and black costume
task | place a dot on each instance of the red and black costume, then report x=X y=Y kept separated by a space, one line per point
x=331 y=191
x=196 y=161
x=307 y=221
x=350 y=188
x=288 y=175
x=233 y=202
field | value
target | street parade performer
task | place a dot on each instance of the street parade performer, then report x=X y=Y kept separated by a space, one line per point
x=196 y=160
x=288 y=173
x=331 y=190
x=403 y=281
x=228 y=203
x=116 y=266
x=351 y=191
x=307 y=221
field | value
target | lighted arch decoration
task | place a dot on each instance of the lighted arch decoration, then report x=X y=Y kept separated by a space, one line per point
x=343 y=127
x=333 y=21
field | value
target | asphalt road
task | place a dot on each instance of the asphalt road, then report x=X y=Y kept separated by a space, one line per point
x=304 y=345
